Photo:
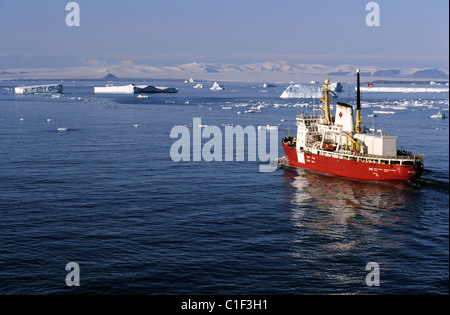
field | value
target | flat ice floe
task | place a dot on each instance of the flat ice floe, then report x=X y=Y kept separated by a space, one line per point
x=34 y=89
x=132 y=89
x=384 y=112
x=390 y=89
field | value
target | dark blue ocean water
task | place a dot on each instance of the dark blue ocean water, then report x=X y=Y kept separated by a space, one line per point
x=107 y=195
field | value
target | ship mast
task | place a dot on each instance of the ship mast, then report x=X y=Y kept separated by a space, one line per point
x=326 y=101
x=358 y=128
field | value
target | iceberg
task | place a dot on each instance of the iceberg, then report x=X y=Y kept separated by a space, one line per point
x=198 y=86
x=268 y=85
x=336 y=87
x=50 y=88
x=217 y=87
x=301 y=91
x=439 y=115
x=132 y=89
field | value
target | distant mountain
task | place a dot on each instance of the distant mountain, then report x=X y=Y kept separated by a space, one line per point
x=212 y=69
x=196 y=67
x=430 y=73
x=339 y=73
x=110 y=77
x=387 y=73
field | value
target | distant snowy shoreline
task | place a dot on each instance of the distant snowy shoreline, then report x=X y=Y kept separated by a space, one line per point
x=277 y=71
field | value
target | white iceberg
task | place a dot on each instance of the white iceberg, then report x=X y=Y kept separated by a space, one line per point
x=439 y=115
x=47 y=88
x=301 y=91
x=336 y=87
x=217 y=87
x=267 y=85
x=132 y=89
x=198 y=86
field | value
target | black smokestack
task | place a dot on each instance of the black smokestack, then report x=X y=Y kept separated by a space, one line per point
x=358 y=91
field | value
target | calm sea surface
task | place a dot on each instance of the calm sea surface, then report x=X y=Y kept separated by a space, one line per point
x=105 y=193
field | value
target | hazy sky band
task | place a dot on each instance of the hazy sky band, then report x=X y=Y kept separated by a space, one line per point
x=413 y=33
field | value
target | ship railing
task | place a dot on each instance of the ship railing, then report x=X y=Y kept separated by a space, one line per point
x=307 y=117
x=402 y=155
x=410 y=154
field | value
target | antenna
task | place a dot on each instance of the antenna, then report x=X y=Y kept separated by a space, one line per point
x=358 y=128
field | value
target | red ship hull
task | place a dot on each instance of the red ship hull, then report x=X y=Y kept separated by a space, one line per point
x=353 y=169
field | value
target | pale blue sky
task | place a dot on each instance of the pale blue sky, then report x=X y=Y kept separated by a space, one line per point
x=413 y=33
